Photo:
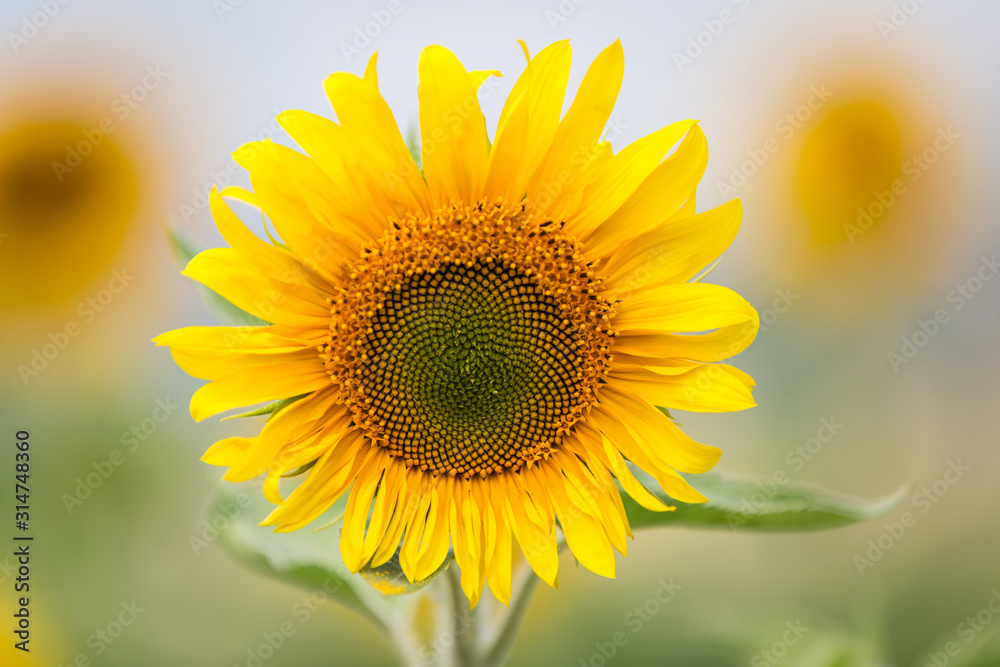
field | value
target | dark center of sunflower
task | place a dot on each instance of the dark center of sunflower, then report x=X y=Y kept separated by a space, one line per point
x=469 y=369
x=469 y=342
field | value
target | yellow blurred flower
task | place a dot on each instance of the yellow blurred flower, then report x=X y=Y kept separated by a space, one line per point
x=853 y=154
x=66 y=199
x=872 y=182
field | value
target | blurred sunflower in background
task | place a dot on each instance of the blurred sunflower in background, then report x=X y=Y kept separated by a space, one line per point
x=873 y=180
x=475 y=349
x=66 y=199
x=81 y=162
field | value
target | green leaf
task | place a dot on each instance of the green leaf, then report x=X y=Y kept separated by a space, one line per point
x=307 y=558
x=223 y=310
x=746 y=503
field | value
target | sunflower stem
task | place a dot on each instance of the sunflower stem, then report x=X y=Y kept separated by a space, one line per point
x=465 y=624
x=504 y=642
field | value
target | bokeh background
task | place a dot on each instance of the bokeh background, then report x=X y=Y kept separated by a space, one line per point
x=861 y=138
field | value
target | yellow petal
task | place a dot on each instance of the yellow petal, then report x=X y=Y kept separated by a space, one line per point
x=674 y=252
x=434 y=546
x=603 y=477
x=537 y=544
x=406 y=505
x=685 y=307
x=386 y=498
x=227 y=451
x=277 y=263
x=528 y=122
x=415 y=533
x=479 y=76
x=499 y=572
x=466 y=530
x=224 y=271
x=624 y=173
x=585 y=535
x=302 y=421
x=661 y=434
x=454 y=144
x=578 y=134
x=258 y=385
x=332 y=475
x=688 y=207
x=657 y=349
x=353 y=193
x=299 y=198
x=602 y=453
x=660 y=194
x=327 y=427
x=356 y=514
x=634 y=450
x=583 y=490
x=705 y=388
x=271 y=488
x=374 y=137
x=209 y=353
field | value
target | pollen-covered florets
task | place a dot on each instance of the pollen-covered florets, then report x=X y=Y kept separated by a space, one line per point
x=470 y=341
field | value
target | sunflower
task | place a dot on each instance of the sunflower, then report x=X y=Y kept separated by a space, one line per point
x=59 y=225
x=474 y=351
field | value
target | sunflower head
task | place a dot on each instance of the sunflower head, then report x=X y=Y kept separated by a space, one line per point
x=62 y=214
x=487 y=308
x=854 y=153
x=478 y=349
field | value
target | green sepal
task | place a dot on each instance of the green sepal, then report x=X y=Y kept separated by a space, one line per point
x=389 y=579
x=269 y=409
x=301 y=469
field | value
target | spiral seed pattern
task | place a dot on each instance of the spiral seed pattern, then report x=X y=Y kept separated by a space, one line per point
x=480 y=343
